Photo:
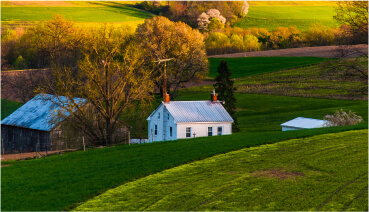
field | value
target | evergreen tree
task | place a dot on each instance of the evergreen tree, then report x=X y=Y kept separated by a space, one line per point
x=225 y=89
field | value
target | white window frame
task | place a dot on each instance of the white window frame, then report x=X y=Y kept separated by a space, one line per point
x=155 y=129
x=189 y=132
x=221 y=132
x=170 y=131
x=210 y=130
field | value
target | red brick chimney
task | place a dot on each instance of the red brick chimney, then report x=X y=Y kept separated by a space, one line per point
x=214 y=96
x=166 y=98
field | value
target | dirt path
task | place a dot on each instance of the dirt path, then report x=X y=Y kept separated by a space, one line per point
x=318 y=51
x=29 y=155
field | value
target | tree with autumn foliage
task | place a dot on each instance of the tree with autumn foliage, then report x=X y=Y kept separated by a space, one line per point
x=159 y=38
x=225 y=89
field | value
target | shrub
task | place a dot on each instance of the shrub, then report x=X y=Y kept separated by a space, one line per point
x=251 y=43
x=341 y=118
x=20 y=63
x=319 y=35
x=217 y=39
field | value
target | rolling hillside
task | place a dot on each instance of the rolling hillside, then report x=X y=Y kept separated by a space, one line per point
x=326 y=172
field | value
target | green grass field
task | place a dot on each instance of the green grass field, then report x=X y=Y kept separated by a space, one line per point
x=8 y=107
x=255 y=110
x=302 y=17
x=247 y=66
x=61 y=181
x=326 y=172
x=84 y=14
x=312 y=81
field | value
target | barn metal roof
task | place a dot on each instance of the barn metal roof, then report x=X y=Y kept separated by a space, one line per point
x=304 y=123
x=197 y=111
x=38 y=112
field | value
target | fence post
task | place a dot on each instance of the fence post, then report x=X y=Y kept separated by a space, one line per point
x=36 y=149
x=2 y=145
x=84 y=145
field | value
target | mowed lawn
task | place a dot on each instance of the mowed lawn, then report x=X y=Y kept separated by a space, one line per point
x=325 y=172
x=302 y=17
x=247 y=66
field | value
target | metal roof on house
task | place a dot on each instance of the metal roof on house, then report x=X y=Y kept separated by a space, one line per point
x=38 y=112
x=304 y=123
x=197 y=111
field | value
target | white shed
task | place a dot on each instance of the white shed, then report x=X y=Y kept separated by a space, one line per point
x=303 y=123
x=173 y=120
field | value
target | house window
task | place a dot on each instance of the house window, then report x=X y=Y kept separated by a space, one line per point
x=159 y=116
x=188 y=132
x=220 y=130
x=210 y=131
x=170 y=131
x=168 y=116
x=156 y=129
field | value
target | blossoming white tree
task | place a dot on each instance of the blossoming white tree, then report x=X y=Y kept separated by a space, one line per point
x=205 y=18
x=245 y=7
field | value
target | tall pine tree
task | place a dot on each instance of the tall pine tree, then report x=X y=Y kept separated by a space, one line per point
x=225 y=89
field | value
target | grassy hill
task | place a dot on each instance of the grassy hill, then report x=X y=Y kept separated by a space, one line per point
x=326 y=172
x=59 y=182
x=279 y=15
x=84 y=13
x=247 y=66
x=292 y=76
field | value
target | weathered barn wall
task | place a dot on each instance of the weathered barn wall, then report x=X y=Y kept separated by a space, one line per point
x=20 y=140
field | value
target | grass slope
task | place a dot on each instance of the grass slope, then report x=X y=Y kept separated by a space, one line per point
x=86 y=14
x=8 y=107
x=59 y=181
x=325 y=172
x=260 y=113
x=247 y=66
x=312 y=81
x=302 y=17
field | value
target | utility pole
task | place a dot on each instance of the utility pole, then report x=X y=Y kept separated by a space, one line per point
x=165 y=74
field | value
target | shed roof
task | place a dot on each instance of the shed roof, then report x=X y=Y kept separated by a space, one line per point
x=304 y=123
x=38 y=112
x=197 y=111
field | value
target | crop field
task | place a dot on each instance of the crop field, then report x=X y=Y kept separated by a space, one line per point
x=247 y=66
x=84 y=13
x=326 y=172
x=271 y=75
x=302 y=17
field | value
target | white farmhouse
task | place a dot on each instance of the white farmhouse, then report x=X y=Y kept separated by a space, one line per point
x=303 y=123
x=173 y=120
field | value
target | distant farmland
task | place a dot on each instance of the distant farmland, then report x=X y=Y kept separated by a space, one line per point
x=302 y=17
x=84 y=13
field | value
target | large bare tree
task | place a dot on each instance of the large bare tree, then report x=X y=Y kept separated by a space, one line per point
x=113 y=80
